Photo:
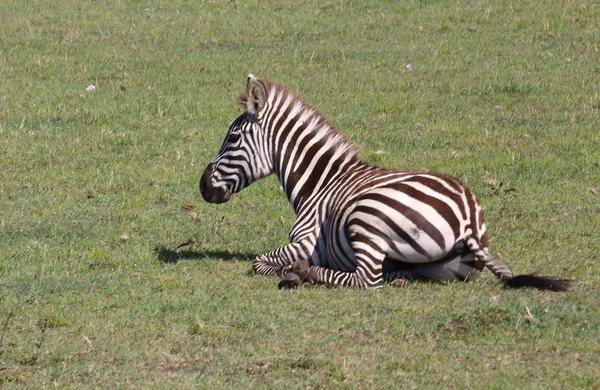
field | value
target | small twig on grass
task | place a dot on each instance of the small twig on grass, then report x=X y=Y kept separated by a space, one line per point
x=5 y=327
x=218 y=226
x=189 y=243
x=35 y=357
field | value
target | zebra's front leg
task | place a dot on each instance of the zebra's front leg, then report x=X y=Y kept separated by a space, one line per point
x=368 y=273
x=267 y=264
x=279 y=262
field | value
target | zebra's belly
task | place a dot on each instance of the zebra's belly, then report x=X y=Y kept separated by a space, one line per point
x=404 y=251
x=339 y=254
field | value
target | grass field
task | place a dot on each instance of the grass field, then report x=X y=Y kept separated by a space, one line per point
x=98 y=187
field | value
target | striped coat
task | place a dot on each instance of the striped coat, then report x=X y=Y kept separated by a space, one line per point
x=357 y=224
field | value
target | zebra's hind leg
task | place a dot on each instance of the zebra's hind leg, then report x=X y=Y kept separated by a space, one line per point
x=397 y=273
x=455 y=267
x=400 y=282
x=460 y=265
x=394 y=274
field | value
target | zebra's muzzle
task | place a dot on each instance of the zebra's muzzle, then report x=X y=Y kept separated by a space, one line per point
x=209 y=192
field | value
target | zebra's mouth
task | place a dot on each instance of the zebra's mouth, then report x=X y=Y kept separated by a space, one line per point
x=209 y=191
x=215 y=195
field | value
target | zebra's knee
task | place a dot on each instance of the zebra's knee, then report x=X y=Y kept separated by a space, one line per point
x=261 y=265
x=257 y=263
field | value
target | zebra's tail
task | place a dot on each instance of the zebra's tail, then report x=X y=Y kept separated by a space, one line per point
x=540 y=282
x=506 y=276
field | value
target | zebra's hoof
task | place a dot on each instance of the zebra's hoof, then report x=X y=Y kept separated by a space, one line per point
x=291 y=280
x=400 y=283
x=300 y=268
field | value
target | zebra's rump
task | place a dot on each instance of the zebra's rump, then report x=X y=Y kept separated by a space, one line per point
x=415 y=217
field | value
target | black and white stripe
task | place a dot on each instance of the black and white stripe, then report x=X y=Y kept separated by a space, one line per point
x=357 y=224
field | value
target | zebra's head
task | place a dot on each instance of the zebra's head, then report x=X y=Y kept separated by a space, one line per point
x=243 y=157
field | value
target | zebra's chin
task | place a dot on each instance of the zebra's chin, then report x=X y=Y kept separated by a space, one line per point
x=214 y=194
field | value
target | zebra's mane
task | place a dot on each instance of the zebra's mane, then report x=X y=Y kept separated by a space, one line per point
x=308 y=113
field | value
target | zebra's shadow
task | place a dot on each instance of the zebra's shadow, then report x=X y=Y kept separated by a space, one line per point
x=166 y=255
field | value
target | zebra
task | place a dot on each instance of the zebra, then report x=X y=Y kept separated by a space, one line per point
x=356 y=224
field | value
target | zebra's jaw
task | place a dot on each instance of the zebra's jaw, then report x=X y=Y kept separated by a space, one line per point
x=209 y=191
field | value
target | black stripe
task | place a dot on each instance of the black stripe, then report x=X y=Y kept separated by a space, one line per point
x=439 y=188
x=384 y=218
x=440 y=206
x=413 y=215
x=287 y=153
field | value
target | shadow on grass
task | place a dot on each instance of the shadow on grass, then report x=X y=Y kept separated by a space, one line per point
x=166 y=255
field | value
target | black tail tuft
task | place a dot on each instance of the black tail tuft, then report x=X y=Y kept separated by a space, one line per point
x=539 y=282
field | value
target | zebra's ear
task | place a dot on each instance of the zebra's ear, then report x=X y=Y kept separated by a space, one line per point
x=256 y=95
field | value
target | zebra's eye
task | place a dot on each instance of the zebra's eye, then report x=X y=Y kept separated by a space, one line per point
x=233 y=138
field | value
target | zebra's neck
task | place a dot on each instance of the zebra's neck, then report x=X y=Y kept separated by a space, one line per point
x=308 y=152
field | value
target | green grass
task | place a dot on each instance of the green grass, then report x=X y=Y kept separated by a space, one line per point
x=504 y=95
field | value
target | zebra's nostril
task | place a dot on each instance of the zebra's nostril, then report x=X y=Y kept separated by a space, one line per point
x=209 y=192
